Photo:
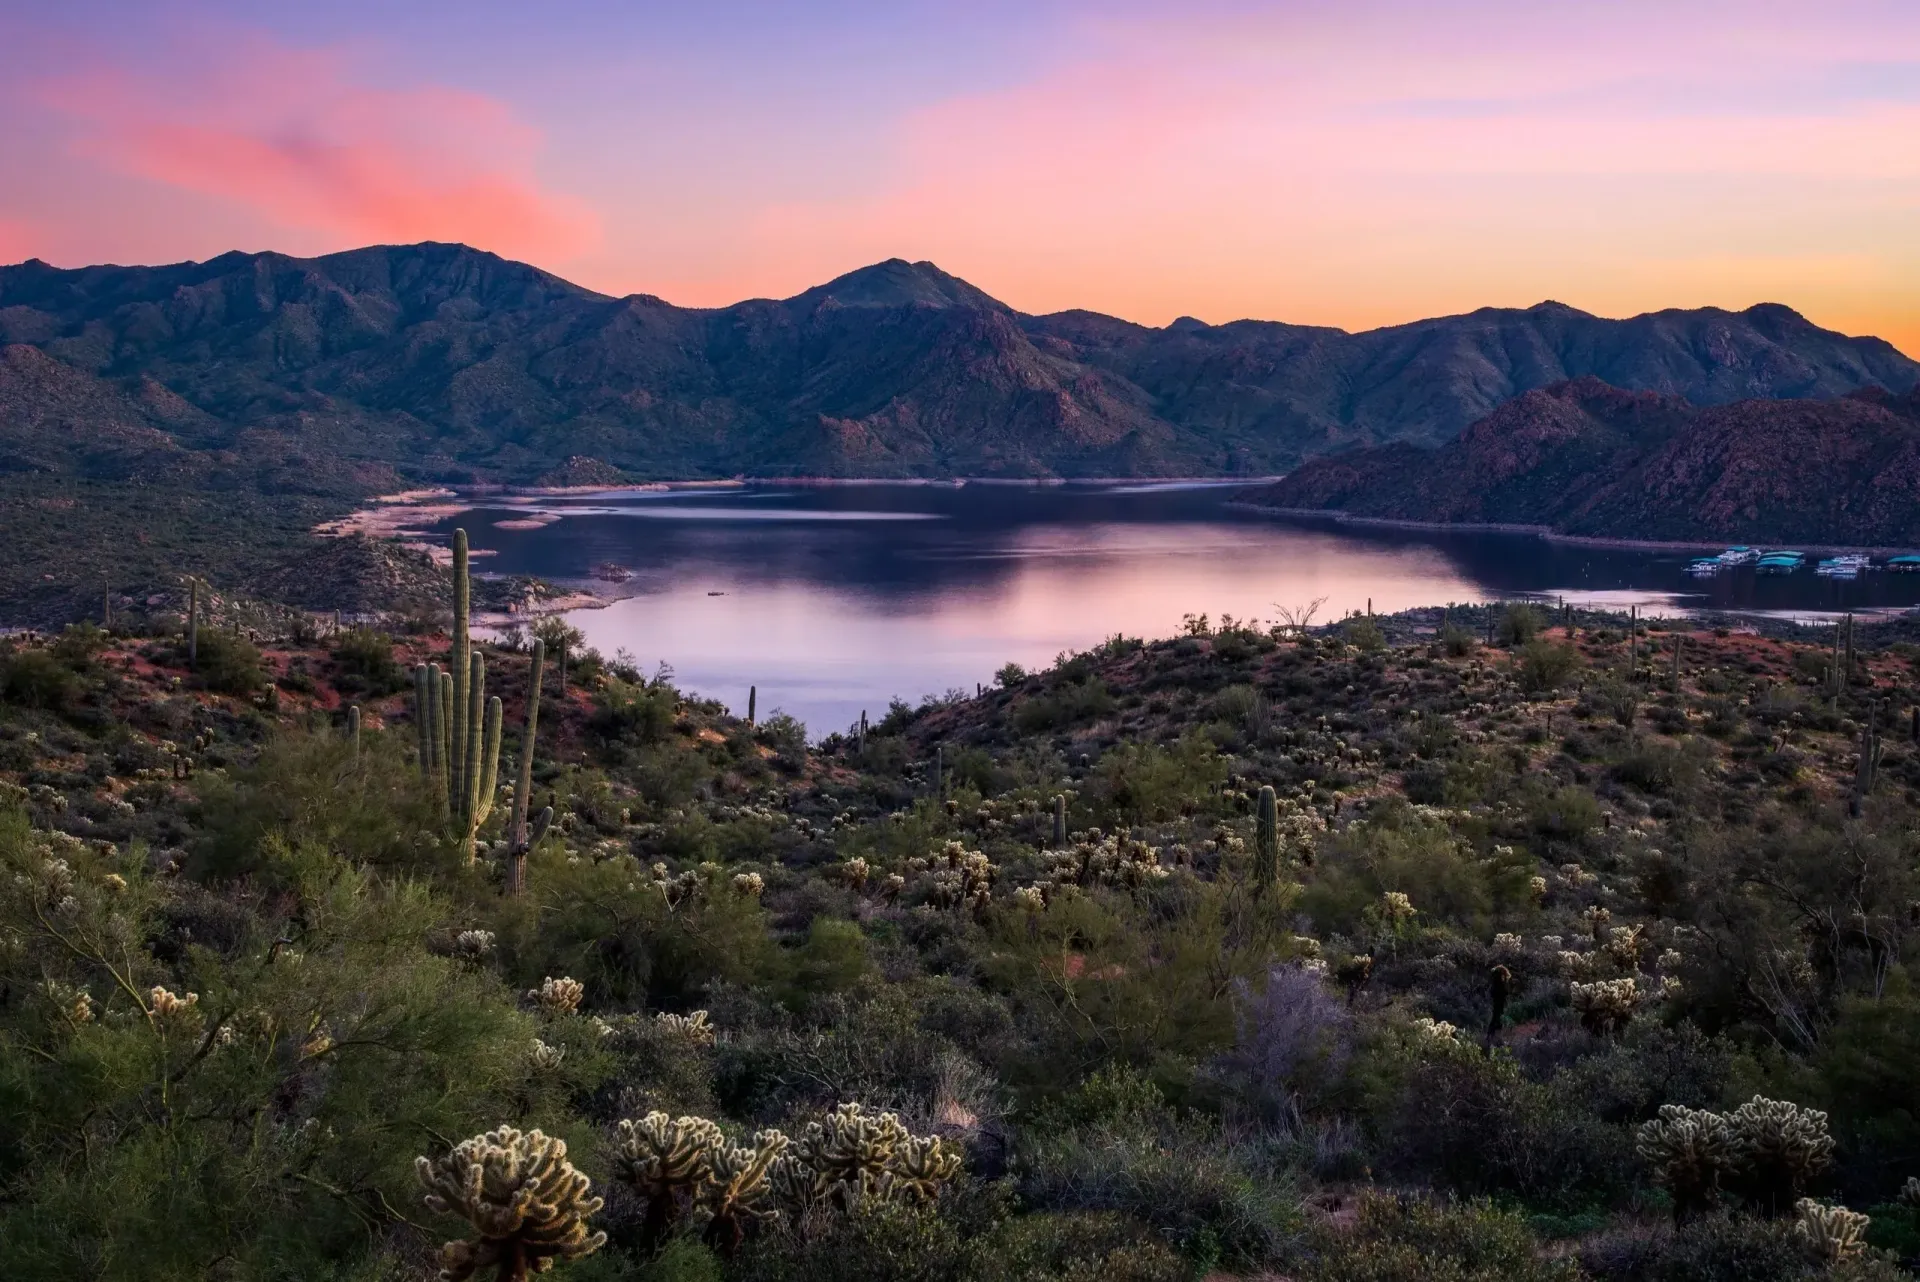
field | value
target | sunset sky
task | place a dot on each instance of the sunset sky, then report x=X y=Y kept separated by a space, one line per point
x=1344 y=162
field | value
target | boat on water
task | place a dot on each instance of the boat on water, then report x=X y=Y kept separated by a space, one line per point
x=1908 y=564
x=1783 y=562
x=1739 y=554
x=1705 y=567
x=1834 y=568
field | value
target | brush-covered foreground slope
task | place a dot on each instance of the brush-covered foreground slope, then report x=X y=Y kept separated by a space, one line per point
x=446 y=362
x=1521 y=902
x=1588 y=459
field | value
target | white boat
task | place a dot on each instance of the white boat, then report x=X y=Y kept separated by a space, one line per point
x=1705 y=567
x=1739 y=555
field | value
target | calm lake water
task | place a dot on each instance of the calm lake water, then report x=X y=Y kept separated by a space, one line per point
x=834 y=599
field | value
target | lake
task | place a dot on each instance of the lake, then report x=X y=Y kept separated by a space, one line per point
x=833 y=599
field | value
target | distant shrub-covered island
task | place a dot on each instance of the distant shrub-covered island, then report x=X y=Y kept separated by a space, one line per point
x=1477 y=944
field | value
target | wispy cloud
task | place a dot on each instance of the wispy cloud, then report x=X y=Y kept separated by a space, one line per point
x=291 y=135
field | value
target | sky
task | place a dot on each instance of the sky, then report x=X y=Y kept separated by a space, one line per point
x=1341 y=162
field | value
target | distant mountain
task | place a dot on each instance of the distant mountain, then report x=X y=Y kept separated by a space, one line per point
x=1585 y=458
x=438 y=362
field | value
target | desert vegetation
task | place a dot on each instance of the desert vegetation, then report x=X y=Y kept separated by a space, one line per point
x=1347 y=953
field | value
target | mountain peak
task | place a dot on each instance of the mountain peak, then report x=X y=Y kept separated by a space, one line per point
x=899 y=283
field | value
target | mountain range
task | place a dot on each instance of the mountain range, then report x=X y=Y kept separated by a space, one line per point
x=1588 y=459
x=436 y=362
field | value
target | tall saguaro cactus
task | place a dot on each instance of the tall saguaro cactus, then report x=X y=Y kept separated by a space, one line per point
x=459 y=725
x=1266 y=842
x=193 y=623
x=519 y=840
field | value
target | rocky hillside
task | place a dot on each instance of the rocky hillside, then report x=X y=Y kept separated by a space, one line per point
x=446 y=364
x=1586 y=458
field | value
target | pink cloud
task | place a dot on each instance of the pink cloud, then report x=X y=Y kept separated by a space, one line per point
x=288 y=135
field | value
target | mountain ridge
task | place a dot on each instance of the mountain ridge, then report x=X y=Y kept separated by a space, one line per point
x=1586 y=459
x=445 y=363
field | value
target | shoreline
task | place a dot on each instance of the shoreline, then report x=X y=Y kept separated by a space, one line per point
x=1545 y=532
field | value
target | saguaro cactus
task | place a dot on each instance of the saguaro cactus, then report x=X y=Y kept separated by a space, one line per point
x=458 y=725
x=353 y=730
x=753 y=694
x=519 y=840
x=1266 y=841
x=1060 y=821
x=1864 y=772
x=193 y=623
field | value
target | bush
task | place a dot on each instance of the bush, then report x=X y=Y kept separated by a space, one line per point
x=1457 y=641
x=365 y=660
x=1520 y=624
x=1412 y=1239
x=35 y=679
x=229 y=663
x=1066 y=704
x=1363 y=634
x=1545 y=667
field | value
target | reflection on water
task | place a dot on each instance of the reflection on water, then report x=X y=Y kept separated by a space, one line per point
x=833 y=599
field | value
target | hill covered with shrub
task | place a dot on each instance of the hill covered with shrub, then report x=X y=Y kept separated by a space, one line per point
x=1375 y=952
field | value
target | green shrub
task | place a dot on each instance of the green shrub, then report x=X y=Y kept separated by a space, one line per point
x=1519 y=624
x=35 y=679
x=1545 y=667
x=1414 y=1239
x=229 y=663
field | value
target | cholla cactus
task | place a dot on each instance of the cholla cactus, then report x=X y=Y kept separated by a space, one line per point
x=855 y=872
x=1783 y=1146
x=853 y=1156
x=473 y=943
x=170 y=1007
x=692 y=1029
x=739 y=1190
x=961 y=878
x=1397 y=908
x=557 y=997
x=1436 y=1032
x=1505 y=942
x=1623 y=946
x=1596 y=919
x=667 y=1161
x=849 y=1152
x=1909 y=1194
x=1606 y=1005
x=1030 y=899
x=74 y=1005
x=1537 y=886
x=892 y=887
x=748 y=885
x=1689 y=1150
x=1832 y=1234
x=546 y=1057
x=1097 y=859
x=527 y=1204
x=919 y=1167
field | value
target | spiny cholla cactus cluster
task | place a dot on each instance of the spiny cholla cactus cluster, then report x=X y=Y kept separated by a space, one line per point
x=1910 y=1193
x=527 y=1204
x=1773 y=1148
x=692 y=1029
x=473 y=943
x=1691 y=1151
x=1783 y=1146
x=958 y=877
x=1832 y=1234
x=1098 y=860
x=556 y=997
x=749 y=885
x=170 y=1007
x=74 y=1005
x=683 y=1164
x=1606 y=1005
x=853 y=1155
